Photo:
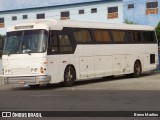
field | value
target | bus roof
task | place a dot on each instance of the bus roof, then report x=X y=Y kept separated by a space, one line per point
x=60 y=24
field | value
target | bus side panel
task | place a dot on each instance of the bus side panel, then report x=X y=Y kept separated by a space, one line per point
x=127 y=64
x=118 y=64
x=86 y=67
x=103 y=66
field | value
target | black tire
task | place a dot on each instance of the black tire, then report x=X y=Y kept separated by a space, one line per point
x=34 y=86
x=69 y=76
x=137 y=69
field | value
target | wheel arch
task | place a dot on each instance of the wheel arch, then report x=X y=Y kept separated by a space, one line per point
x=139 y=61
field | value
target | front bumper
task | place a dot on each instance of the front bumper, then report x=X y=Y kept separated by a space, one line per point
x=31 y=80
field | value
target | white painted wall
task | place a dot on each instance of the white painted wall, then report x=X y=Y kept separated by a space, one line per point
x=54 y=13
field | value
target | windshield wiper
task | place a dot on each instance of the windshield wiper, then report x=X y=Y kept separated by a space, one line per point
x=27 y=51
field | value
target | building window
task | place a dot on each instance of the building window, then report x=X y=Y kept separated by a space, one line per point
x=65 y=15
x=14 y=18
x=81 y=11
x=94 y=10
x=25 y=16
x=40 y=16
x=152 y=7
x=112 y=12
x=130 y=6
x=1 y=22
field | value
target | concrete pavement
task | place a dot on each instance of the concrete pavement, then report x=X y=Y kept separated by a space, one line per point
x=108 y=94
x=1 y=81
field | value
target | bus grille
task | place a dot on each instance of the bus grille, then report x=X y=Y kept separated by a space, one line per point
x=18 y=71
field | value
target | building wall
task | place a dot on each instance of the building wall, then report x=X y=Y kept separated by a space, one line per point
x=54 y=13
x=138 y=13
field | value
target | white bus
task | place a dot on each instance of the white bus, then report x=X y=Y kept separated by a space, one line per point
x=52 y=51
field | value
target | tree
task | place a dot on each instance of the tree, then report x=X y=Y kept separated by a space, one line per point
x=158 y=31
x=128 y=22
x=0 y=36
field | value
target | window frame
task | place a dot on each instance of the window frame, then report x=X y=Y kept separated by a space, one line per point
x=2 y=22
x=65 y=14
x=112 y=10
x=124 y=39
x=14 y=18
x=112 y=14
x=81 y=12
x=94 y=10
x=25 y=17
x=131 y=6
x=102 y=42
x=80 y=29
x=151 y=33
x=65 y=31
x=40 y=16
x=151 y=2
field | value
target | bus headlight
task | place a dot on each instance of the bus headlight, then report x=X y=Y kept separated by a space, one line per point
x=34 y=70
x=7 y=71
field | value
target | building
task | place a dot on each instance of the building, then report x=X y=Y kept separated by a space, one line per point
x=145 y=12
x=109 y=11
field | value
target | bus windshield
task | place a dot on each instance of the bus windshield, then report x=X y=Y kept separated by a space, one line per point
x=25 y=42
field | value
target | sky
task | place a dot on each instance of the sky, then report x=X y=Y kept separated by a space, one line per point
x=20 y=4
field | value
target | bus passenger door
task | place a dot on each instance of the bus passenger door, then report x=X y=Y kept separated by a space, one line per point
x=53 y=58
x=86 y=67
x=61 y=49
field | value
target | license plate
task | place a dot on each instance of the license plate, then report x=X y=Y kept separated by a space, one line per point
x=21 y=82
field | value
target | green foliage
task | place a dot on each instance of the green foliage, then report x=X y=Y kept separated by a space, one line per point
x=1 y=37
x=128 y=22
x=158 y=31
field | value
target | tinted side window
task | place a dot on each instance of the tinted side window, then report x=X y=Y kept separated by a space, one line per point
x=136 y=36
x=118 y=36
x=59 y=43
x=82 y=36
x=148 y=36
x=53 y=44
x=65 y=44
x=102 y=36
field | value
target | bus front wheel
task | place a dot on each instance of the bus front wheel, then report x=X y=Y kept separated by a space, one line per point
x=69 y=76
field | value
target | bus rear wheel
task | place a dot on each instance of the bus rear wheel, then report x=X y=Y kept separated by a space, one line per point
x=34 y=86
x=69 y=76
x=137 y=69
